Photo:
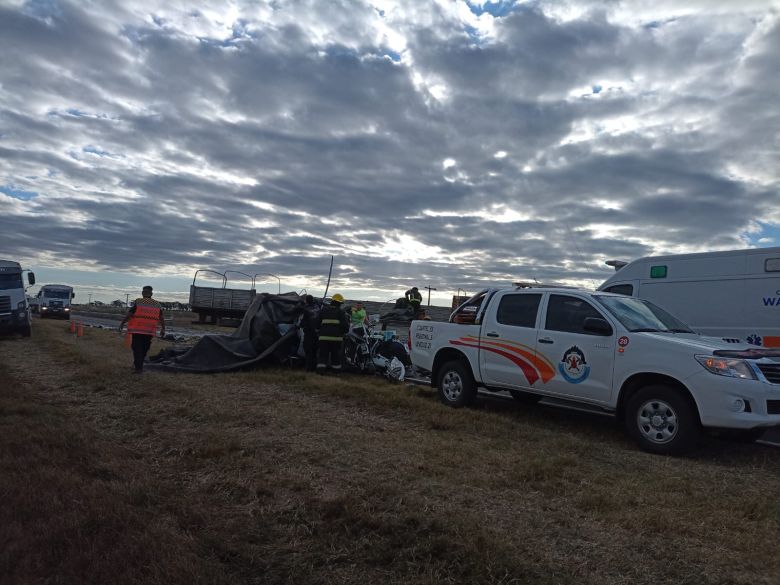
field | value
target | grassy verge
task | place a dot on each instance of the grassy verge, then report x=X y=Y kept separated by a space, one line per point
x=275 y=476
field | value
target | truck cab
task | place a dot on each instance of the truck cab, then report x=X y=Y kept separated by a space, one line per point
x=604 y=352
x=14 y=310
x=54 y=301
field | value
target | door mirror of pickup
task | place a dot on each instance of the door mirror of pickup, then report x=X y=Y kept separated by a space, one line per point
x=31 y=278
x=597 y=326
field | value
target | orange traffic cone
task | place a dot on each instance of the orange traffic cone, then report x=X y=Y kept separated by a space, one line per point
x=81 y=330
x=72 y=326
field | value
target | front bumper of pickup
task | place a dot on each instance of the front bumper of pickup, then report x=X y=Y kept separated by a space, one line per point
x=733 y=403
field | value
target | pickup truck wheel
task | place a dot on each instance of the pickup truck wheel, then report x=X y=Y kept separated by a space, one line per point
x=456 y=384
x=26 y=330
x=662 y=421
x=525 y=397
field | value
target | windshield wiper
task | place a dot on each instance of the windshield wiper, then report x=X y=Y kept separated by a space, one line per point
x=646 y=330
x=679 y=330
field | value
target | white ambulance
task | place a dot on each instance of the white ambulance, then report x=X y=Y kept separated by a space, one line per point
x=734 y=295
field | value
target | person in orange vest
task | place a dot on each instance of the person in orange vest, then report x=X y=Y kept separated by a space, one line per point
x=142 y=320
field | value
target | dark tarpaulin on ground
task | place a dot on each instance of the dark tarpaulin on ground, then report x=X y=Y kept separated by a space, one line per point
x=267 y=333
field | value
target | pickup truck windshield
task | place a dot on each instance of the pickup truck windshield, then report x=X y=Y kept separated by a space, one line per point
x=637 y=315
x=56 y=294
x=9 y=281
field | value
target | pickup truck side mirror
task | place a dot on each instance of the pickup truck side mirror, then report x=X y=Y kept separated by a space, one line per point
x=597 y=326
x=31 y=278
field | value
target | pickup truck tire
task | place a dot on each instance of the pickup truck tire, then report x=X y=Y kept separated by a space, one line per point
x=26 y=331
x=661 y=420
x=525 y=397
x=456 y=384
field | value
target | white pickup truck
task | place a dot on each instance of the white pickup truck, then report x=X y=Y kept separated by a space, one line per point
x=606 y=352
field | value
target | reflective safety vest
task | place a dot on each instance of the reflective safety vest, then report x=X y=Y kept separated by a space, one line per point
x=145 y=319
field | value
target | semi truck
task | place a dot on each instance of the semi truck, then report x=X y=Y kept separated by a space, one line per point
x=14 y=310
x=606 y=353
x=733 y=295
x=54 y=301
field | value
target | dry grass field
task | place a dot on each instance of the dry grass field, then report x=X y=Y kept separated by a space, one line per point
x=277 y=476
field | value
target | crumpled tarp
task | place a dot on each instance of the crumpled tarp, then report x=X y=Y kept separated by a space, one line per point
x=267 y=332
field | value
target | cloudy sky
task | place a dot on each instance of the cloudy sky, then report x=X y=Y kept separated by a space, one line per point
x=446 y=143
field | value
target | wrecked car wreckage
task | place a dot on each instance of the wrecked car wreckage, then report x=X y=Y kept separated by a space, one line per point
x=270 y=333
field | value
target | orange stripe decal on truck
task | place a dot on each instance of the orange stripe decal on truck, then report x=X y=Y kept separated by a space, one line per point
x=533 y=366
x=771 y=341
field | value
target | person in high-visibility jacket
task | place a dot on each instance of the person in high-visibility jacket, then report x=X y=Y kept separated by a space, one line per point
x=333 y=325
x=415 y=299
x=142 y=320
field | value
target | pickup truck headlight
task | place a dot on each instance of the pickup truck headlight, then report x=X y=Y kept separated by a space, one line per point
x=731 y=367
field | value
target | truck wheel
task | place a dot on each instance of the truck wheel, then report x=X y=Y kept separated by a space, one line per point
x=525 y=397
x=456 y=384
x=662 y=421
x=27 y=330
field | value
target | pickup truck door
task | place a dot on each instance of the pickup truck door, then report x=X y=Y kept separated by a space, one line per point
x=507 y=351
x=583 y=361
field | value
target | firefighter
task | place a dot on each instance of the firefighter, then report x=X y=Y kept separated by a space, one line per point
x=333 y=325
x=415 y=299
x=142 y=320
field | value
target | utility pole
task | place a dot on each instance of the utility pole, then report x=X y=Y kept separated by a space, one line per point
x=127 y=300
x=429 y=289
x=89 y=304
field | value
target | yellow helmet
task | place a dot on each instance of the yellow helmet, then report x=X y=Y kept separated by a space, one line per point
x=337 y=298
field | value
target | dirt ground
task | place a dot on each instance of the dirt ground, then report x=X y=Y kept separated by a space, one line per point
x=276 y=476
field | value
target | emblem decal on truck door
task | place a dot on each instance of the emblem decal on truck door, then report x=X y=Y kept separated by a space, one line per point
x=533 y=365
x=573 y=366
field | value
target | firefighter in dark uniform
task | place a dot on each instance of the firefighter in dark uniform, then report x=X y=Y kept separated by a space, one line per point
x=415 y=299
x=309 y=324
x=333 y=325
x=142 y=320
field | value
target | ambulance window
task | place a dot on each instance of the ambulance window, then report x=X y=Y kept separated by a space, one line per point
x=568 y=314
x=658 y=271
x=519 y=310
x=621 y=289
x=772 y=265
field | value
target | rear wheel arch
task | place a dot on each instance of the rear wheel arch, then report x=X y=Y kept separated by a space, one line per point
x=444 y=356
x=638 y=381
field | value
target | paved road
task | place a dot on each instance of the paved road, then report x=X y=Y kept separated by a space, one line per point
x=108 y=323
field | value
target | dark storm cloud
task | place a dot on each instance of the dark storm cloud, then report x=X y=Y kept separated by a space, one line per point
x=414 y=144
